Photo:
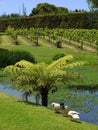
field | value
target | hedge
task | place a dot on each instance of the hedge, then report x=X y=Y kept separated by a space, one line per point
x=83 y=20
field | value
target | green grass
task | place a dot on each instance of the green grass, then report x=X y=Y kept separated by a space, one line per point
x=6 y=40
x=44 y=42
x=89 y=74
x=22 y=116
x=43 y=53
x=23 y=41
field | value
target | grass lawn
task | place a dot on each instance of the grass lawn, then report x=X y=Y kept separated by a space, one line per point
x=16 y=115
x=6 y=40
x=89 y=74
x=24 y=41
x=44 y=53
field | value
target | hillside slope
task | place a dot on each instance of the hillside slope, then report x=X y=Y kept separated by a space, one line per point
x=16 y=115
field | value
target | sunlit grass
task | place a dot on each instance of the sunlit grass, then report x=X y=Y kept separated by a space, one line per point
x=89 y=74
x=43 y=53
x=24 y=116
x=23 y=41
x=6 y=40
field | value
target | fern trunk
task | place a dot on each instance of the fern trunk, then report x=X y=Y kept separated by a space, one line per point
x=44 y=96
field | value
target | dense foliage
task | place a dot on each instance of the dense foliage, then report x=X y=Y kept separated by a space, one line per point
x=68 y=20
x=11 y=57
x=57 y=56
x=45 y=8
x=93 y=4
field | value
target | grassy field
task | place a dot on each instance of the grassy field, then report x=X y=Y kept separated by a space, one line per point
x=6 y=40
x=89 y=75
x=44 y=53
x=24 y=41
x=16 y=115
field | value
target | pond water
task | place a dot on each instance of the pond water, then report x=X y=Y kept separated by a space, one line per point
x=91 y=116
x=6 y=89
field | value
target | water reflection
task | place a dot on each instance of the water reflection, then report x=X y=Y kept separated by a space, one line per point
x=90 y=100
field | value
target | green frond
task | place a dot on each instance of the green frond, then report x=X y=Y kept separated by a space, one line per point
x=76 y=64
x=60 y=62
x=24 y=64
x=11 y=70
x=40 y=67
x=58 y=73
x=42 y=64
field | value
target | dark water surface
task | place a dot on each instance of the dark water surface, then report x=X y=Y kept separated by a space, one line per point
x=91 y=116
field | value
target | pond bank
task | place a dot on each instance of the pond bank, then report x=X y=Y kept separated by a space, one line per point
x=91 y=116
x=25 y=116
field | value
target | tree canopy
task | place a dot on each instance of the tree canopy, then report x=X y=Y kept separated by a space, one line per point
x=93 y=4
x=46 y=8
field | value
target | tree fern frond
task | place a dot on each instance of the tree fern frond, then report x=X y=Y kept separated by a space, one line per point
x=11 y=70
x=76 y=64
x=24 y=64
x=58 y=73
x=60 y=62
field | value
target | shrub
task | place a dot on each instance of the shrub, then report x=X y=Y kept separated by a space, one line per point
x=11 y=57
x=58 y=44
x=4 y=53
x=57 y=56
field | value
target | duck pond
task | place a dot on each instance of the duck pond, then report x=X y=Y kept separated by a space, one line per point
x=84 y=102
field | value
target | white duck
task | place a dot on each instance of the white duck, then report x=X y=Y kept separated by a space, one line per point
x=74 y=115
x=56 y=106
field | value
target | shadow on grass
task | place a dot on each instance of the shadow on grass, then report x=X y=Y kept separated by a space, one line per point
x=76 y=121
x=26 y=102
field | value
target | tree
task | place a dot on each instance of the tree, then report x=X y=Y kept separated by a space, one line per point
x=62 y=10
x=46 y=8
x=14 y=15
x=24 y=10
x=14 y=33
x=41 y=77
x=93 y=4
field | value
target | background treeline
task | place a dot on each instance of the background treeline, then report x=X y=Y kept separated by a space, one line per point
x=48 y=15
x=83 y=20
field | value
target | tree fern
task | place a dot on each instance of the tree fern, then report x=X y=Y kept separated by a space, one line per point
x=41 y=77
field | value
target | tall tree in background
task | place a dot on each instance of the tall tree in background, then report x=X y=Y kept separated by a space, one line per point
x=24 y=10
x=46 y=8
x=93 y=4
